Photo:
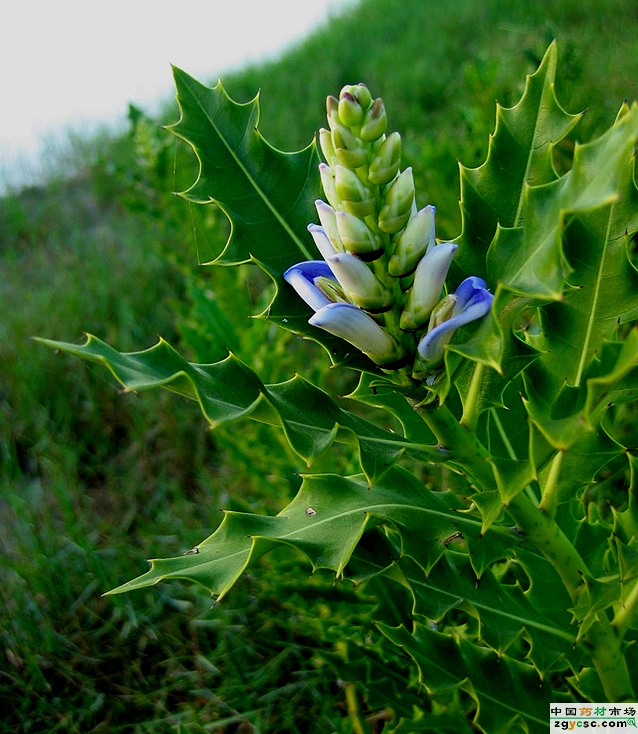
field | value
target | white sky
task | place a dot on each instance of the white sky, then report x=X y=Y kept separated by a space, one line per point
x=77 y=63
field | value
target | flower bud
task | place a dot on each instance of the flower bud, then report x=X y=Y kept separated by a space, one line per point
x=357 y=237
x=361 y=94
x=362 y=331
x=329 y=224
x=327 y=148
x=417 y=239
x=328 y=183
x=332 y=111
x=324 y=245
x=360 y=283
x=471 y=301
x=374 y=122
x=397 y=207
x=347 y=148
x=357 y=199
x=385 y=165
x=426 y=290
x=350 y=111
x=329 y=288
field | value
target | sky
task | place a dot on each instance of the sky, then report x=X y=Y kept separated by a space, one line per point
x=76 y=64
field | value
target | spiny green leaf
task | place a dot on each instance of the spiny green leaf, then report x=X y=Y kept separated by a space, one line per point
x=229 y=390
x=614 y=375
x=626 y=522
x=517 y=454
x=530 y=260
x=603 y=287
x=383 y=394
x=326 y=520
x=504 y=611
x=385 y=680
x=508 y=694
x=519 y=155
x=267 y=195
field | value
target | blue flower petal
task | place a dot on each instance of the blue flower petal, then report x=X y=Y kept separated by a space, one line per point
x=473 y=302
x=302 y=278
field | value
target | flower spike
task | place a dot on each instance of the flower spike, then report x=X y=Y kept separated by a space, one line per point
x=380 y=283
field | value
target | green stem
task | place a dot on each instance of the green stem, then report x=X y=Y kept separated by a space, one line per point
x=464 y=447
x=609 y=661
x=470 y=415
x=604 y=642
x=543 y=531
x=358 y=725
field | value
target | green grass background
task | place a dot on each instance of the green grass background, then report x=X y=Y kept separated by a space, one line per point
x=92 y=481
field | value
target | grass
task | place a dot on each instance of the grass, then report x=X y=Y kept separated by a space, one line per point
x=93 y=482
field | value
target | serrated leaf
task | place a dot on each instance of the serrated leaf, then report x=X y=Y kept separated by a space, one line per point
x=530 y=260
x=519 y=155
x=385 y=682
x=508 y=694
x=626 y=522
x=383 y=394
x=326 y=520
x=617 y=374
x=229 y=390
x=504 y=611
x=603 y=287
x=517 y=453
x=267 y=195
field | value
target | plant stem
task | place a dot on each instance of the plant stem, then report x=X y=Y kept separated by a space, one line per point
x=358 y=725
x=470 y=415
x=543 y=531
x=464 y=447
x=609 y=661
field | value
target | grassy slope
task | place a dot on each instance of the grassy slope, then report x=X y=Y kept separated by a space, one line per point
x=93 y=482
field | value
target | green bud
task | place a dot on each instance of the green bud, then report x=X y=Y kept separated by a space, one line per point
x=374 y=122
x=397 y=207
x=348 y=147
x=385 y=165
x=442 y=312
x=357 y=199
x=327 y=148
x=332 y=111
x=329 y=223
x=361 y=93
x=357 y=237
x=360 y=283
x=328 y=183
x=350 y=111
x=429 y=279
x=415 y=240
x=330 y=288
